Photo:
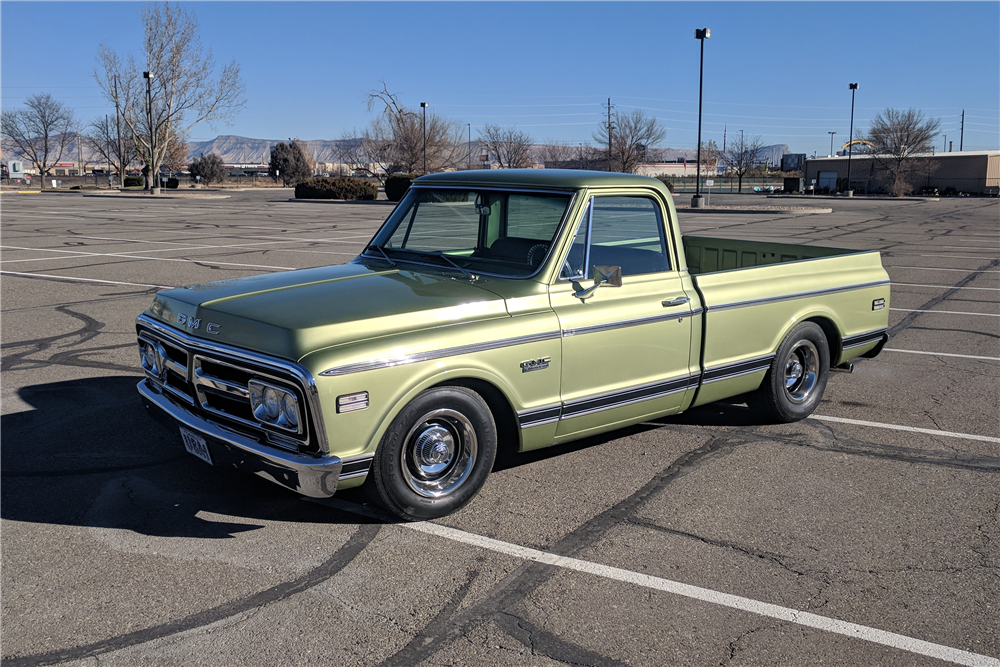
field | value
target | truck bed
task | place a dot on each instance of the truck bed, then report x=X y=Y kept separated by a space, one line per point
x=754 y=292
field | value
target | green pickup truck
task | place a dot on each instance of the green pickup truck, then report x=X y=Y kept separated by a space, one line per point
x=517 y=309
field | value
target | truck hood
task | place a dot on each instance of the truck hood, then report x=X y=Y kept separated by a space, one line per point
x=293 y=313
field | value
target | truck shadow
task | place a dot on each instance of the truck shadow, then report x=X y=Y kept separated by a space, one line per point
x=731 y=412
x=87 y=454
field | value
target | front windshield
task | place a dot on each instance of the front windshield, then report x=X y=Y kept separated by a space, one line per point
x=505 y=233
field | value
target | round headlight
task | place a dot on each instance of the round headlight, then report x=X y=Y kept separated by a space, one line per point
x=272 y=404
x=149 y=358
x=290 y=408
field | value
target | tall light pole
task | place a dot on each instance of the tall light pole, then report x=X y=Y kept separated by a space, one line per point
x=423 y=105
x=850 y=142
x=700 y=34
x=470 y=145
x=153 y=189
x=831 y=142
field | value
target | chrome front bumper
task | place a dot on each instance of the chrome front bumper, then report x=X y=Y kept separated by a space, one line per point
x=315 y=477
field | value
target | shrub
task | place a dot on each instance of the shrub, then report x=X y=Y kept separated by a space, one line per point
x=337 y=187
x=210 y=167
x=172 y=183
x=134 y=181
x=663 y=178
x=397 y=185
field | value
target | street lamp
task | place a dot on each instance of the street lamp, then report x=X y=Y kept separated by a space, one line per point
x=149 y=76
x=470 y=145
x=831 y=142
x=700 y=34
x=850 y=142
x=423 y=105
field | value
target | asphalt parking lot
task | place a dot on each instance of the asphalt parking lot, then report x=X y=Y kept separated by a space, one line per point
x=867 y=535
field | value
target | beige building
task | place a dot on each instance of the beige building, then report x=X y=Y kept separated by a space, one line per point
x=971 y=172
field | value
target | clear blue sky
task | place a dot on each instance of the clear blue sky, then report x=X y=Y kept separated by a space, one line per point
x=775 y=69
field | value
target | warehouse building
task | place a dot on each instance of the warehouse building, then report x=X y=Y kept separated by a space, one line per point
x=969 y=172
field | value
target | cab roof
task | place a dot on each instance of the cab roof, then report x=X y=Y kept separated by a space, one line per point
x=556 y=179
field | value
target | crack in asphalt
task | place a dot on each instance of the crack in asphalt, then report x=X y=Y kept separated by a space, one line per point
x=508 y=595
x=340 y=559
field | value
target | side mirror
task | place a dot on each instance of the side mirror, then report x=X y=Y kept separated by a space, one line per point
x=603 y=275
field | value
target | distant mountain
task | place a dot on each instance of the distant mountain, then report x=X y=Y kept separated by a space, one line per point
x=244 y=150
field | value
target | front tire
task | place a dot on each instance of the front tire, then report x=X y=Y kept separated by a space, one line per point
x=436 y=455
x=795 y=382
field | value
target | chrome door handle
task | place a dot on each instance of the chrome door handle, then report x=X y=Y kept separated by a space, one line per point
x=677 y=301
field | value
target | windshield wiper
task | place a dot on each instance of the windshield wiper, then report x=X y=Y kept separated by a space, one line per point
x=440 y=255
x=382 y=252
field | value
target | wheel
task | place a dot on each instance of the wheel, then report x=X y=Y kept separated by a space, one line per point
x=794 y=383
x=436 y=455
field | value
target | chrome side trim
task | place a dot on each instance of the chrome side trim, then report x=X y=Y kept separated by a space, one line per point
x=303 y=376
x=860 y=339
x=608 y=326
x=438 y=354
x=798 y=295
x=315 y=477
x=736 y=369
x=606 y=401
x=356 y=466
x=538 y=416
x=516 y=189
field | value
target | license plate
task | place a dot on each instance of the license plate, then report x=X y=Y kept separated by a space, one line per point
x=195 y=444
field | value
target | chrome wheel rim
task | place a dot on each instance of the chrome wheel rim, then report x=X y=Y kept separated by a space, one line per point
x=439 y=453
x=801 y=371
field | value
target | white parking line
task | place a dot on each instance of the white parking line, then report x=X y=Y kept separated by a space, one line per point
x=195 y=246
x=75 y=253
x=83 y=280
x=798 y=617
x=942 y=354
x=910 y=429
x=946 y=256
x=945 y=312
x=993 y=289
x=934 y=268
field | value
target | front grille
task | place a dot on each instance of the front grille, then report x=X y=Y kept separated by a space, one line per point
x=216 y=387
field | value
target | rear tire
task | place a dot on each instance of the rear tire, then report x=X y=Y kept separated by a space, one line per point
x=795 y=382
x=436 y=455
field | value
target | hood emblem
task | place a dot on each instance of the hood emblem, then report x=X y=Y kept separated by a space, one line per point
x=194 y=323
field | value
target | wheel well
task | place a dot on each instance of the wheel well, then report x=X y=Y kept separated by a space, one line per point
x=833 y=339
x=508 y=434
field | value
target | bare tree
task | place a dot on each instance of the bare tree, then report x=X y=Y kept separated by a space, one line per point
x=743 y=156
x=40 y=132
x=510 y=147
x=394 y=141
x=710 y=155
x=894 y=137
x=182 y=89
x=632 y=134
x=113 y=142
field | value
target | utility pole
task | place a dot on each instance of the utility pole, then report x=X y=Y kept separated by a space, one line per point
x=470 y=145
x=961 y=137
x=107 y=147
x=610 y=130
x=701 y=35
x=850 y=142
x=831 y=142
x=423 y=107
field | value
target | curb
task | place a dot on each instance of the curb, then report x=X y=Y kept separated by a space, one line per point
x=343 y=201
x=798 y=210
x=857 y=197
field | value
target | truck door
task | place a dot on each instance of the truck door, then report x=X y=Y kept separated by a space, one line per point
x=625 y=349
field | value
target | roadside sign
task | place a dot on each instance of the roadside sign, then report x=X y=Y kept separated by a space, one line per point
x=710 y=182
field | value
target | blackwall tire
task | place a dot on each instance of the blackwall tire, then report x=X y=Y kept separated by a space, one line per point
x=436 y=455
x=795 y=382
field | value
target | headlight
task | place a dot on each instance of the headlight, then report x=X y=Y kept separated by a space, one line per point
x=274 y=405
x=290 y=410
x=152 y=356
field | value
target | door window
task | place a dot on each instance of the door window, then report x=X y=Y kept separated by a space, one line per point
x=618 y=231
